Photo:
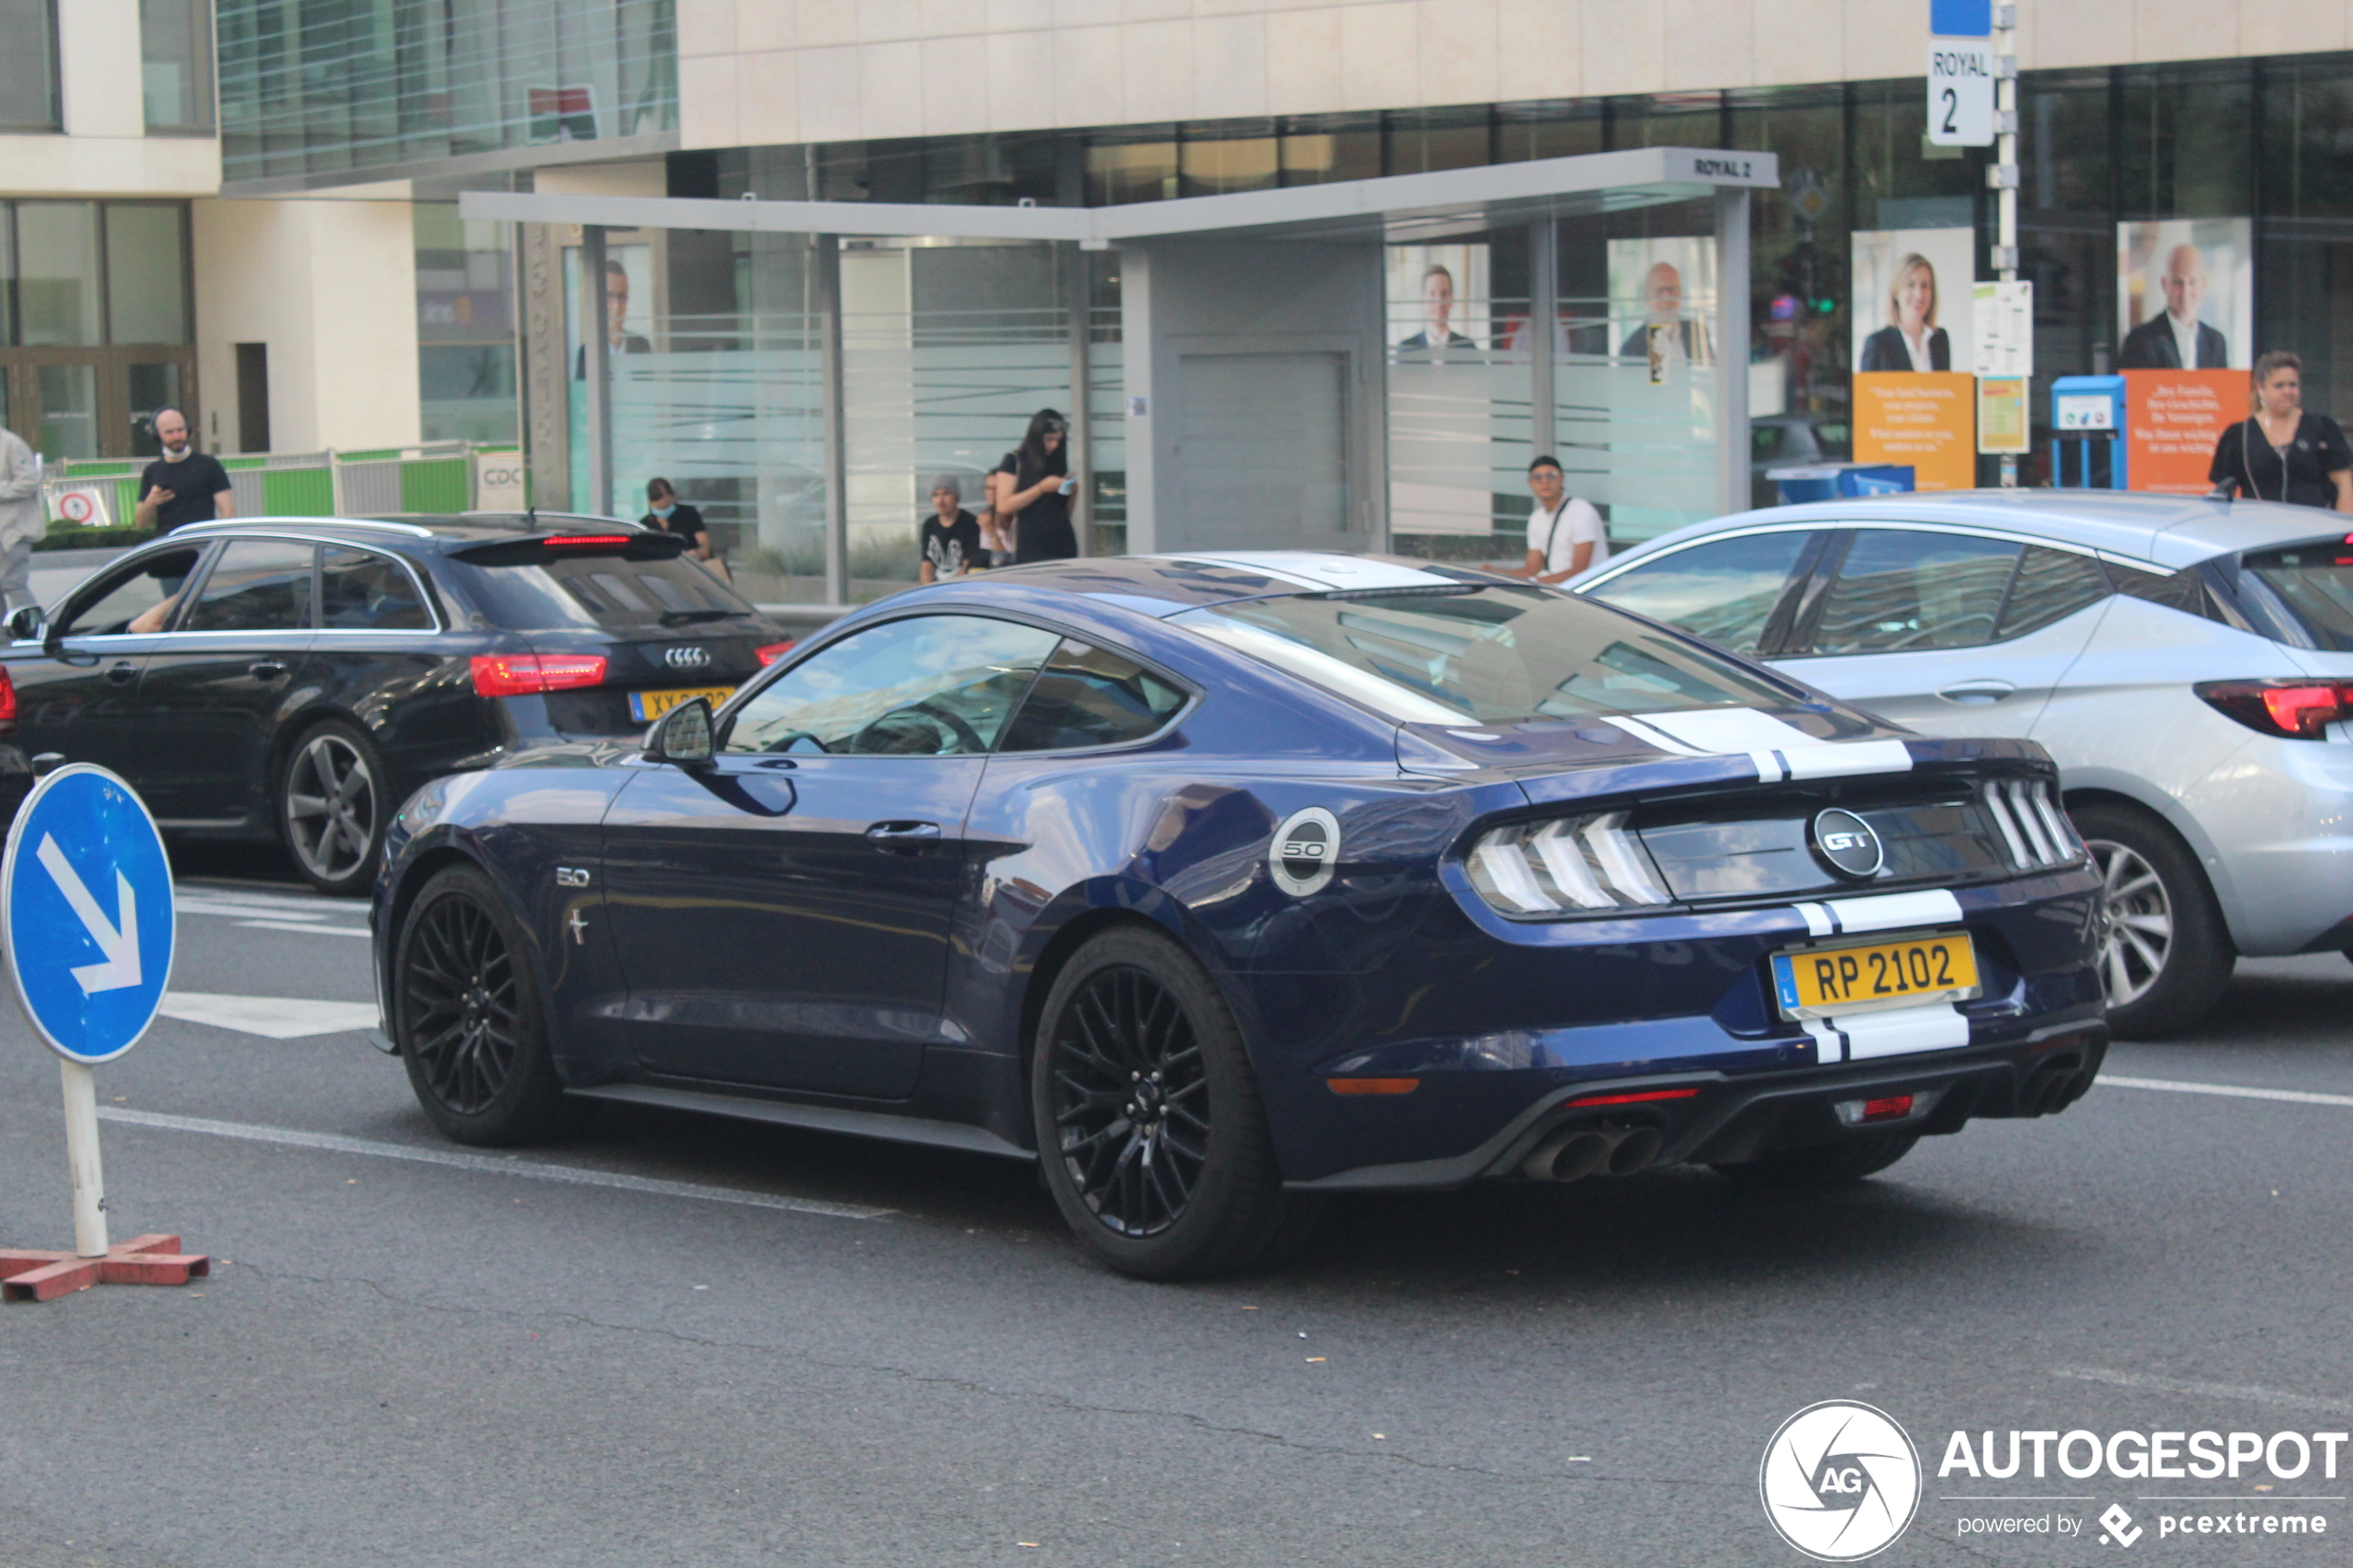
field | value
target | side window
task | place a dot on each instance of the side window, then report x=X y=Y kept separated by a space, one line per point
x=256 y=585
x=2174 y=590
x=362 y=591
x=1090 y=696
x=927 y=685
x=1723 y=590
x=2052 y=585
x=137 y=598
x=1902 y=590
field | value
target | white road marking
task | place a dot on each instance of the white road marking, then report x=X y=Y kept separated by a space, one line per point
x=2206 y=1390
x=203 y=904
x=278 y=1017
x=307 y=930
x=2229 y=1091
x=570 y=1175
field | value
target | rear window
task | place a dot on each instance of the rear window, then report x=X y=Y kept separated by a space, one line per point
x=610 y=592
x=1485 y=655
x=2305 y=588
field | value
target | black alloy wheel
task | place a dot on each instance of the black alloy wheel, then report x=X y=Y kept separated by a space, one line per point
x=467 y=1017
x=1154 y=1141
x=331 y=807
x=2165 y=953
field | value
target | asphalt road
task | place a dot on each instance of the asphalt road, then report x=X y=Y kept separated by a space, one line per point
x=817 y=1350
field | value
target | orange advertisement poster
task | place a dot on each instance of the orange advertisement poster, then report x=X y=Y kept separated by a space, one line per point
x=1925 y=418
x=2171 y=420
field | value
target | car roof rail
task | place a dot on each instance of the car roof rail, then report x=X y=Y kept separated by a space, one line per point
x=219 y=525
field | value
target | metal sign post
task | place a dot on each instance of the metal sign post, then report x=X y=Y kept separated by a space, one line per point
x=86 y=923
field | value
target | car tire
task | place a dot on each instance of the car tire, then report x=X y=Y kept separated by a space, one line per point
x=467 y=1018
x=2166 y=954
x=333 y=807
x=1822 y=1165
x=1168 y=1172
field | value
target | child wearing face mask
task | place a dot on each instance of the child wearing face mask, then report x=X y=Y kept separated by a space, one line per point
x=667 y=512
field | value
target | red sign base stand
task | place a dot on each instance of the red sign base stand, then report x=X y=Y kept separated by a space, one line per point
x=148 y=1260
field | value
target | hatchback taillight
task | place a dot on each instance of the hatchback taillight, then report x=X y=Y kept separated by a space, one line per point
x=522 y=675
x=7 y=697
x=771 y=653
x=1567 y=864
x=2291 y=710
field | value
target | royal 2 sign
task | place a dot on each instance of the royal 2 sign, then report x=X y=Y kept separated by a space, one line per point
x=1961 y=92
x=87 y=895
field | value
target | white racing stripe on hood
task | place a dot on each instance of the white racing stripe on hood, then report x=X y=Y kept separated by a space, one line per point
x=1885 y=911
x=1313 y=569
x=1902 y=1031
x=1779 y=750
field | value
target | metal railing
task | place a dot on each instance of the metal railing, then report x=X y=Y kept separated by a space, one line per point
x=430 y=476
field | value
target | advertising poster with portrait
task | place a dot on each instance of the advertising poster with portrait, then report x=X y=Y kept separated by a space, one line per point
x=2185 y=337
x=1443 y=451
x=1915 y=400
x=1662 y=303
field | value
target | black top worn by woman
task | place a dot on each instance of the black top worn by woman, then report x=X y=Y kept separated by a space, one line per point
x=684 y=521
x=2245 y=461
x=1042 y=530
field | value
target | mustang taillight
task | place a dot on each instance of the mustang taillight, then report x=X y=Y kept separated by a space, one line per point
x=7 y=697
x=1564 y=866
x=522 y=674
x=771 y=653
x=2033 y=829
x=2291 y=710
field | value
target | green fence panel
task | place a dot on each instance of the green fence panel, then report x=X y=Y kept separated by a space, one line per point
x=299 y=491
x=442 y=484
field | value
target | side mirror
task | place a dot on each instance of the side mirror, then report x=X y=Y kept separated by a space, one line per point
x=683 y=735
x=28 y=623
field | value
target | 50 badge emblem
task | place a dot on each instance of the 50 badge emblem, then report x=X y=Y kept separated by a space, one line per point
x=1305 y=851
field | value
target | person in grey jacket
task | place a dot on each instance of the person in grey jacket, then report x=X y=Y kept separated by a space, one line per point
x=21 y=520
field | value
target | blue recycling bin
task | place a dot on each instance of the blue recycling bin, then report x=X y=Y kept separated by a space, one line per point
x=1828 y=482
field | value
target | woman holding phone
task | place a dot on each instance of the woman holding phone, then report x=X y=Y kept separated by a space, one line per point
x=1034 y=487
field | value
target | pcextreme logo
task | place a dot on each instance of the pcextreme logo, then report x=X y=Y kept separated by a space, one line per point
x=1841 y=1481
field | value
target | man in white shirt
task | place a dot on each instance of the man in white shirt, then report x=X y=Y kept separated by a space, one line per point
x=1565 y=534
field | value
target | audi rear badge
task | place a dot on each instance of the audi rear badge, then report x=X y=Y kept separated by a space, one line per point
x=1305 y=851
x=686 y=658
x=1847 y=844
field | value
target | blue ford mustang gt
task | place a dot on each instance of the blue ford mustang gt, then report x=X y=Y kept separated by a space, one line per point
x=1218 y=883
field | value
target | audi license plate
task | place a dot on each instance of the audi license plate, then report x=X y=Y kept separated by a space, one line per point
x=1865 y=977
x=647 y=706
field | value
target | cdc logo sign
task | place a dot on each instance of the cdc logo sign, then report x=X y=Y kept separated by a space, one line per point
x=1840 y=1481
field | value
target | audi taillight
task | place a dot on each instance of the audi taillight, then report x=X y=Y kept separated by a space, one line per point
x=2291 y=710
x=7 y=697
x=773 y=652
x=523 y=675
x=1565 y=866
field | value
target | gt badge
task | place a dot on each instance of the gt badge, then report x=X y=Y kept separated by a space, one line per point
x=1305 y=851
x=1848 y=845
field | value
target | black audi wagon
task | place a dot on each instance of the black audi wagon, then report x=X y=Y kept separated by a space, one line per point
x=299 y=678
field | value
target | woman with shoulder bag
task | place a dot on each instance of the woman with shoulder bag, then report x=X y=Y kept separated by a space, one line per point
x=2281 y=453
x=1034 y=489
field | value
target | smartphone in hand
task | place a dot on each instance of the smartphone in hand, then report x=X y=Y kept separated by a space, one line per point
x=1067 y=485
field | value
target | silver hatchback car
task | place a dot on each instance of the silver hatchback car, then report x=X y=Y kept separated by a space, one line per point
x=2188 y=663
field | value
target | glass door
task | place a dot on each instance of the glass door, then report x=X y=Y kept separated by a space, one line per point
x=68 y=411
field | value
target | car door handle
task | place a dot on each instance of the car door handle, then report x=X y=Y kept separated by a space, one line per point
x=1978 y=693
x=266 y=670
x=122 y=673
x=903 y=838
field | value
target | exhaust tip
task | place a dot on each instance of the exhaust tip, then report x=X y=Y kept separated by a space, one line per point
x=1568 y=1156
x=1635 y=1150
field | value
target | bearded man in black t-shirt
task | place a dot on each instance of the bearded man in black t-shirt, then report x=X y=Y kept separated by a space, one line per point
x=183 y=485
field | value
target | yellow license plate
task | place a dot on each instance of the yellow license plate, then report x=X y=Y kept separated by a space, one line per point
x=645 y=706
x=1864 y=976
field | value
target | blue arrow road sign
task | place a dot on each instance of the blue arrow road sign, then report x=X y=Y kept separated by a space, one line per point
x=86 y=893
